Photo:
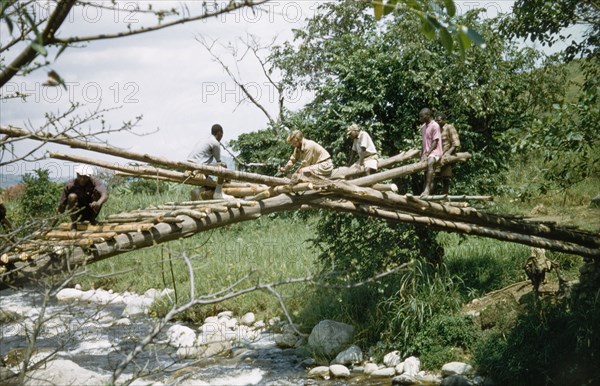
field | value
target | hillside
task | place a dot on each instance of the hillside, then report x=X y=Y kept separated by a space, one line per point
x=7 y=180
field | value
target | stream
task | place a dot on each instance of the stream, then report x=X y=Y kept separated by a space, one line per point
x=97 y=338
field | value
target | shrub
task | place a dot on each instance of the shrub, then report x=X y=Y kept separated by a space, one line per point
x=553 y=344
x=445 y=338
x=40 y=196
x=423 y=293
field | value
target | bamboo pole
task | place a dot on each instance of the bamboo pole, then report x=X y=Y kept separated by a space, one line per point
x=185 y=178
x=188 y=179
x=385 y=187
x=400 y=157
x=413 y=204
x=382 y=163
x=460 y=227
x=405 y=170
x=66 y=235
x=144 y=171
x=243 y=192
x=446 y=197
x=237 y=190
x=119 y=228
x=62 y=139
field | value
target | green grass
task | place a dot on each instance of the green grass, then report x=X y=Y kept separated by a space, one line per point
x=524 y=196
x=270 y=250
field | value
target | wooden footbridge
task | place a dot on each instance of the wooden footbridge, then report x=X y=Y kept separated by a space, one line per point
x=56 y=249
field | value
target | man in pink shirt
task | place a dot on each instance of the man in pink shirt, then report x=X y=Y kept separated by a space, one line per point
x=432 y=149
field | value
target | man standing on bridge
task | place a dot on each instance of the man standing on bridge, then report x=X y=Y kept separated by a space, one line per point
x=450 y=144
x=432 y=147
x=83 y=196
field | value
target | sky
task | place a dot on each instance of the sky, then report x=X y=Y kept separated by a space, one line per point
x=166 y=76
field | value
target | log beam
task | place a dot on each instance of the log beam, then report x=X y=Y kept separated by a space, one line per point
x=218 y=171
x=455 y=226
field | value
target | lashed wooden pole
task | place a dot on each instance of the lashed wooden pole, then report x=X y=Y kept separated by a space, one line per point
x=405 y=170
x=154 y=172
x=137 y=170
x=12 y=131
x=433 y=209
x=382 y=163
x=455 y=226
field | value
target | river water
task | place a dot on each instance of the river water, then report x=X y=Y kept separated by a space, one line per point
x=96 y=338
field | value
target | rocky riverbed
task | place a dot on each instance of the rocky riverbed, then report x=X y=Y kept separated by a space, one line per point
x=86 y=337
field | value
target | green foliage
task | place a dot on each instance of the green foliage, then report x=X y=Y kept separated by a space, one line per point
x=422 y=293
x=567 y=137
x=553 y=344
x=262 y=147
x=483 y=265
x=445 y=338
x=355 y=248
x=437 y=22
x=41 y=195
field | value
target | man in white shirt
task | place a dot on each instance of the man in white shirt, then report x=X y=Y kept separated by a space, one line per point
x=365 y=148
x=208 y=152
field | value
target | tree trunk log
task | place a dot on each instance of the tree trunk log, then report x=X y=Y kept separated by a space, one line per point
x=459 y=227
x=383 y=163
x=415 y=205
x=12 y=131
x=404 y=170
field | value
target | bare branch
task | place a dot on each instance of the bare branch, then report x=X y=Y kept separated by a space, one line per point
x=55 y=126
x=231 y=6
x=209 y=47
x=46 y=37
x=285 y=311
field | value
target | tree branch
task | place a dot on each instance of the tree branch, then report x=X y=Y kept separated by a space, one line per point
x=46 y=37
x=232 y=6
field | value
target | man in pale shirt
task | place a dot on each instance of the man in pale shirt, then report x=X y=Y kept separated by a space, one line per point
x=313 y=158
x=432 y=150
x=365 y=148
x=208 y=152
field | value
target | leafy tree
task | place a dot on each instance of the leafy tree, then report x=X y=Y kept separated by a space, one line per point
x=437 y=21
x=566 y=133
x=381 y=76
x=264 y=148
